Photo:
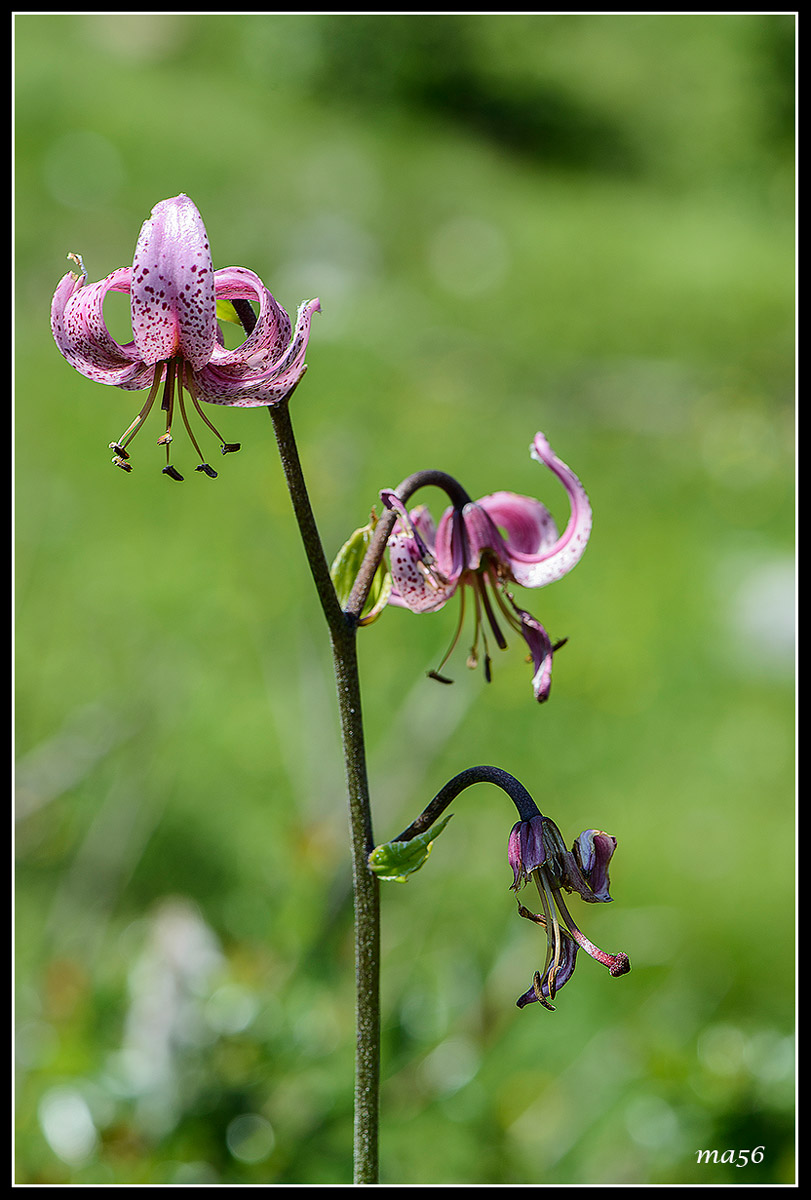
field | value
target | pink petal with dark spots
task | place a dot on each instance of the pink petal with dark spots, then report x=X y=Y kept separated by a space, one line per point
x=172 y=298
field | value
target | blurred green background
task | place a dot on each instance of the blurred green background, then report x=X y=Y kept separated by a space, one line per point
x=579 y=224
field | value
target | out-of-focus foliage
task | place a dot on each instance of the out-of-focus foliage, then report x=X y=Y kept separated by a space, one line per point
x=580 y=224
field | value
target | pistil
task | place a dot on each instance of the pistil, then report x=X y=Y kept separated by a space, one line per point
x=618 y=964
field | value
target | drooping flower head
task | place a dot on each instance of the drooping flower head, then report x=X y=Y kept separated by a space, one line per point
x=481 y=548
x=177 y=342
x=536 y=851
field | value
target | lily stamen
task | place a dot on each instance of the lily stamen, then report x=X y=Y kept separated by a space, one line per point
x=491 y=620
x=203 y=466
x=436 y=673
x=168 y=406
x=478 y=629
x=127 y=436
x=225 y=447
x=548 y=903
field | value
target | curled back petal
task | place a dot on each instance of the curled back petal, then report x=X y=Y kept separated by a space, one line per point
x=251 y=382
x=555 y=561
x=271 y=335
x=82 y=336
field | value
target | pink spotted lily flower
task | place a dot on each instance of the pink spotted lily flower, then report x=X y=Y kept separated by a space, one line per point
x=537 y=852
x=481 y=548
x=177 y=343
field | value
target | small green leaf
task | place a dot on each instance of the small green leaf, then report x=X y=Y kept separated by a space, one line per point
x=395 y=861
x=344 y=572
x=227 y=312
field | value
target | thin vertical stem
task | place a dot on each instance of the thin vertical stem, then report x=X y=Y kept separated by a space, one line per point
x=294 y=476
x=367 y=910
x=343 y=636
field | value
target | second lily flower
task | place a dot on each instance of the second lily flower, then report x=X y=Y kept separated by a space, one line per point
x=484 y=546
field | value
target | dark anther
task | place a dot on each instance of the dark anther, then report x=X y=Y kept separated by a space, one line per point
x=207 y=470
x=439 y=678
x=230 y=447
x=172 y=472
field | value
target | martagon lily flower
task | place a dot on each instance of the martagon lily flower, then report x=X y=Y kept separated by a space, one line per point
x=483 y=547
x=177 y=342
x=537 y=852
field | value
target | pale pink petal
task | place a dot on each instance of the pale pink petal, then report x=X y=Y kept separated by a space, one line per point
x=418 y=523
x=173 y=306
x=453 y=544
x=480 y=534
x=526 y=524
x=423 y=524
x=413 y=585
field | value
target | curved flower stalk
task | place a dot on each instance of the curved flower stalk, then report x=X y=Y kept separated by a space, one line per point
x=481 y=548
x=537 y=852
x=177 y=342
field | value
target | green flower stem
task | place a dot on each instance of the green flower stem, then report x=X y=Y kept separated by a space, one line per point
x=294 y=476
x=367 y=910
x=343 y=636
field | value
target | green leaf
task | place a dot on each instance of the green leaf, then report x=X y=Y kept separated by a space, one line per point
x=395 y=861
x=227 y=312
x=344 y=572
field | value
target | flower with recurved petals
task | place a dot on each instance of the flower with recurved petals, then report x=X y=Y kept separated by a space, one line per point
x=482 y=547
x=177 y=342
x=536 y=851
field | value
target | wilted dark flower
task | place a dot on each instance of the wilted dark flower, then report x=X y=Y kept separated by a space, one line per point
x=537 y=852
